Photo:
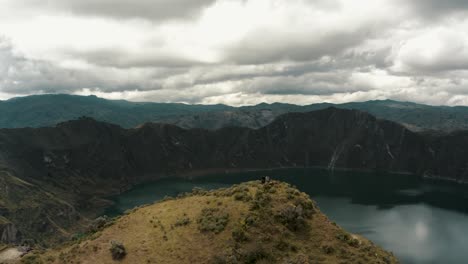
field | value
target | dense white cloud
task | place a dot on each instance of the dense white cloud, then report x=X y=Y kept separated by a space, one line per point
x=435 y=49
x=237 y=51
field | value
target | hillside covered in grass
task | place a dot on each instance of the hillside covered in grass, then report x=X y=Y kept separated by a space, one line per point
x=51 y=109
x=247 y=223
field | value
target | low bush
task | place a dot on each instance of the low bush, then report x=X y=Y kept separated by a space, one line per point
x=167 y=198
x=182 y=221
x=292 y=217
x=31 y=259
x=117 y=250
x=239 y=235
x=98 y=223
x=78 y=237
x=343 y=236
x=261 y=200
x=199 y=191
x=250 y=220
x=255 y=254
x=282 y=245
x=299 y=259
x=242 y=196
x=327 y=249
x=212 y=220
x=220 y=259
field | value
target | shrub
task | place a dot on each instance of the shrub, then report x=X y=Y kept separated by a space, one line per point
x=354 y=242
x=183 y=195
x=299 y=259
x=307 y=205
x=250 y=220
x=240 y=193
x=98 y=223
x=254 y=254
x=348 y=239
x=343 y=236
x=167 y=198
x=220 y=259
x=292 y=217
x=31 y=259
x=242 y=196
x=182 y=221
x=282 y=245
x=224 y=258
x=212 y=220
x=387 y=259
x=50 y=259
x=117 y=250
x=239 y=235
x=78 y=236
x=28 y=242
x=199 y=191
x=260 y=200
x=327 y=249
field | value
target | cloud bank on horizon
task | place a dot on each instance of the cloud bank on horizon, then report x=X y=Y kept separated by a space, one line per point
x=237 y=52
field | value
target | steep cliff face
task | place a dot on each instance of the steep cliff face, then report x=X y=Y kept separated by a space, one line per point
x=330 y=138
x=28 y=211
x=9 y=233
x=68 y=168
x=450 y=156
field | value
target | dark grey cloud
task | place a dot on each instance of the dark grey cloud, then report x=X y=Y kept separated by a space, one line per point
x=309 y=84
x=20 y=75
x=431 y=9
x=143 y=58
x=266 y=47
x=155 y=10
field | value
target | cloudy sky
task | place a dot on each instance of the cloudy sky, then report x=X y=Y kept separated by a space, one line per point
x=237 y=52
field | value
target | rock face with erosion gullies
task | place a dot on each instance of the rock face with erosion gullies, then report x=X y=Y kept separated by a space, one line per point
x=247 y=223
x=33 y=213
x=9 y=233
x=53 y=178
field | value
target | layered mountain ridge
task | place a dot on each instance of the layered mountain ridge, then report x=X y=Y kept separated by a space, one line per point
x=51 y=109
x=64 y=172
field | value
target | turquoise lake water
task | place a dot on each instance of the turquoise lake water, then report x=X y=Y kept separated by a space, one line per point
x=419 y=221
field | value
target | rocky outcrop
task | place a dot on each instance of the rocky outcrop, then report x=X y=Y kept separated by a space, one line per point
x=9 y=233
x=32 y=213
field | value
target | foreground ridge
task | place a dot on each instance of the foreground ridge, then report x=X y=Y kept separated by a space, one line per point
x=246 y=223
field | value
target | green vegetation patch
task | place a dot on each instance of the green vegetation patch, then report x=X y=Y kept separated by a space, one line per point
x=292 y=217
x=183 y=221
x=212 y=220
x=31 y=259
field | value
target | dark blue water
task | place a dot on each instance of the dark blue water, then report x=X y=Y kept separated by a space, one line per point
x=421 y=222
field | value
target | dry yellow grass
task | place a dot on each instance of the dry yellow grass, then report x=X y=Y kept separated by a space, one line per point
x=272 y=223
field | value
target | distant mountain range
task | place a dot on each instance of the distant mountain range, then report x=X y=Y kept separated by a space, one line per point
x=49 y=110
x=52 y=178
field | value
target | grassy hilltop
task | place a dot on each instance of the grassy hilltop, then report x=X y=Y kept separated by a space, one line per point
x=247 y=223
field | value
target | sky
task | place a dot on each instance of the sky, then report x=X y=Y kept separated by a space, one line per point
x=237 y=52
